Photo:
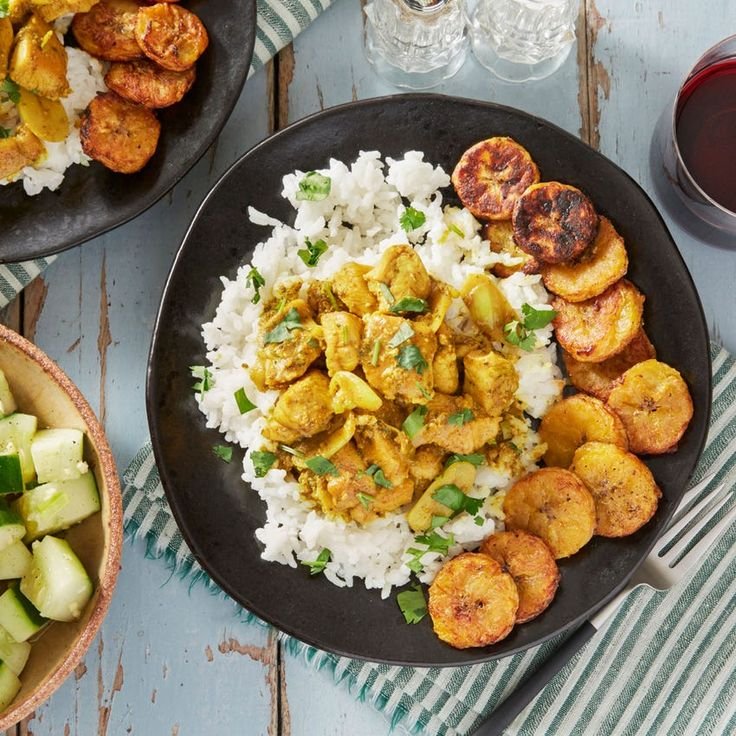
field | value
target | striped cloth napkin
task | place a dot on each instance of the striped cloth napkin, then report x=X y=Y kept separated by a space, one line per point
x=664 y=664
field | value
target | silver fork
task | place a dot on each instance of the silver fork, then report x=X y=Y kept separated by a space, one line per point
x=673 y=556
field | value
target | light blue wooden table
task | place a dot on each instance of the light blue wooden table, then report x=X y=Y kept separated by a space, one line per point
x=174 y=661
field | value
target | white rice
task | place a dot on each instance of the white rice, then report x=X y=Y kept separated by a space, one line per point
x=85 y=75
x=359 y=220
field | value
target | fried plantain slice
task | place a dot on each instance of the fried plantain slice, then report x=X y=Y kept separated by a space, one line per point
x=119 y=134
x=108 y=30
x=554 y=222
x=555 y=505
x=491 y=175
x=600 y=267
x=624 y=490
x=149 y=85
x=500 y=235
x=574 y=421
x=531 y=564
x=170 y=35
x=472 y=601
x=598 y=379
x=654 y=404
x=598 y=328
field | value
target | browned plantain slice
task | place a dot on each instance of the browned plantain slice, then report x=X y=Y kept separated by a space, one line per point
x=491 y=175
x=598 y=379
x=119 y=134
x=573 y=422
x=500 y=235
x=598 y=328
x=555 y=505
x=171 y=36
x=600 y=267
x=654 y=404
x=472 y=601
x=108 y=30
x=623 y=488
x=531 y=564
x=554 y=222
x=149 y=85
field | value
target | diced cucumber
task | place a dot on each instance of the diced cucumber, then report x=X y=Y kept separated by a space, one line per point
x=57 y=454
x=12 y=528
x=15 y=560
x=16 y=433
x=56 y=583
x=11 y=475
x=9 y=686
x=14 y=653
x=7 y=402
x=18 y=616
x=52 y=507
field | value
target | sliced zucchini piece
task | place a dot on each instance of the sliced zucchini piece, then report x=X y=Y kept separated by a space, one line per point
x=56 y=583
x=11 y=473
x=9 y=685
x=57 y=454
x=16 y=433
x=7 y=402
x=13 y=653
x=53 y=507
x=15 y=560
x=12 y=528
x=18 y=616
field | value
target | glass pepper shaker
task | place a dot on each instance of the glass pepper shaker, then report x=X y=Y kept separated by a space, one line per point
x=415 y=43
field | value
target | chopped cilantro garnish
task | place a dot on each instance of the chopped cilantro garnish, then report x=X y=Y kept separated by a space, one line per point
x=423 y=391
x=412 y=604
x=255 y=280
x=410 y=304
x=451 y=496
x=314 y=187
x=460 y=417
x=4 y=8
x=411 y=219
x=414 y=422
x=262 y=462
x=317 y=565
x=224 y=452
x=11 y=89
x=386 y=292
x=244 y=403
x=474 y=459
x=310 y=255
x=410 y=357
x=5 y=132
x=205 y=381
x=375 y=472
x=521 y=332
x=374 y=353
x=435 y=542
x=282 y=331
x=321 y=466
x=479 y=521
x=438 y=521
x=404 y=333
x=366 y=500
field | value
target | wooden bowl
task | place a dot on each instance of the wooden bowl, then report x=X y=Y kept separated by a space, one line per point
x=40 y=387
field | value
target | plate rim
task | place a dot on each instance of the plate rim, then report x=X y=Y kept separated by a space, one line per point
x=486 y=656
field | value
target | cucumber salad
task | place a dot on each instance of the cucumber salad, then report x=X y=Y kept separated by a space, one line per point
x=45 y=488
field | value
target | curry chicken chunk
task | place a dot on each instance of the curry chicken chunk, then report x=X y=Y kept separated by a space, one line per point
x=378 y=389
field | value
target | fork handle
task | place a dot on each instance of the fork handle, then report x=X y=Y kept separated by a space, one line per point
x=527 y=691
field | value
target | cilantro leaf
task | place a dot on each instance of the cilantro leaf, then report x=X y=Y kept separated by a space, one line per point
x=322 y=466
x=411 y=219
x=310 y=255
x=521 y=333
x=412 y=604
x=460 y=417
x=11 y=89
x=474 y=459
x=423 y=391
x=404 y=333
x=262 y=462
x=535 y=319
x=205 y=382
x=479 y=521
x=314 y=187
x=4 y=8
x=410 y=304
x=516 y=334
x=414 y=422
x=5 y=132
x=451 y=496
x=255 y=280
x=244 y=403
x=410 y=357
x=282 y=331
x=375 y=472
x=435 y=542
x=224 y=452
x=317 y=565
x=438 y=521
x=366 y=500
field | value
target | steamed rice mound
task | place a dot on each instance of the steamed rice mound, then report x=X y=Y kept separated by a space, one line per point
x=359 y=220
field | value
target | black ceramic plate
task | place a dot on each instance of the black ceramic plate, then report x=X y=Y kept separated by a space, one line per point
x=218 y=514
x=91 y=201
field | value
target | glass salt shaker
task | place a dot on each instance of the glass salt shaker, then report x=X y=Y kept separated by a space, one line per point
x=415 y=43
x=521 y=40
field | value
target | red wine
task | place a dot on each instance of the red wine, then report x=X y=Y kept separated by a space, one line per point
x=706 y=130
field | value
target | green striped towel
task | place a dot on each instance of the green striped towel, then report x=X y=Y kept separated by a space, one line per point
x=279 y=22
x=664 y=664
